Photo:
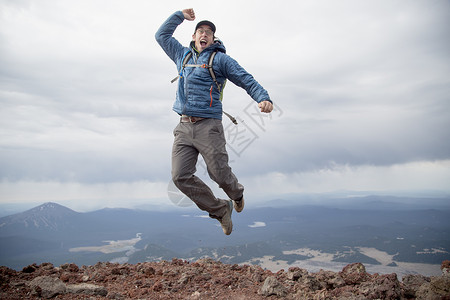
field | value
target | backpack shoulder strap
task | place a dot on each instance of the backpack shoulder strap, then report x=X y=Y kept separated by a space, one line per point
x=186 y=58
x=219 y=86
x=211 y=71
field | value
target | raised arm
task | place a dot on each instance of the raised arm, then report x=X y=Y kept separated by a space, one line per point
x=164 y=35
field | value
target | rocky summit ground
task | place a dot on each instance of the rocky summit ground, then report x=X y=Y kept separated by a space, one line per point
x=209 y=279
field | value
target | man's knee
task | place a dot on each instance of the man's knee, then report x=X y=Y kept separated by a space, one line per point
x=180 y=180
x=176 y=178
x=223 y=177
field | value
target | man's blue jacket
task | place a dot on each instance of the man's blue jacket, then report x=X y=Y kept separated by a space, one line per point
x=197 y=94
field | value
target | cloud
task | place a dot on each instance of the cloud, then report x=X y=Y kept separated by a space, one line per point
x=361 y=90
x=411 y=178
x=86 y=197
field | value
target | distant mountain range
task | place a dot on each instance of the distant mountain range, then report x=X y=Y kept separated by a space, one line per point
x=279 y=236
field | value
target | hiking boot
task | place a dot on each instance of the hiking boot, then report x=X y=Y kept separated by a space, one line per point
x=225 y=221
x=239 y=204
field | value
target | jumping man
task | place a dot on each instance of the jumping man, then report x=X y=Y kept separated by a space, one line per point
x=198 y=102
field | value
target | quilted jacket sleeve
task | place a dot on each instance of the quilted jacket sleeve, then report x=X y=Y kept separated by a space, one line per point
x=164 y=36
x=240 y=77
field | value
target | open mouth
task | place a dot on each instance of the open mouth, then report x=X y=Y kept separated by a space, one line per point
x=203 y=43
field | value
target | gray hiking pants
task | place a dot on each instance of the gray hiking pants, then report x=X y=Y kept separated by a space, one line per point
x=205 y=137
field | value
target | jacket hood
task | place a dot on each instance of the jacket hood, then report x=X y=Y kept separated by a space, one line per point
x=219 y=45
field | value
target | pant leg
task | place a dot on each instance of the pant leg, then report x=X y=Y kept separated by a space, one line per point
x=184 y=160
x=211 y=143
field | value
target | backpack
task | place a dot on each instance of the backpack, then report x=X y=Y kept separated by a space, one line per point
x=209 y=66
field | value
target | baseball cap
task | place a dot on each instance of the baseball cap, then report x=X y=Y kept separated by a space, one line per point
x=205 y=22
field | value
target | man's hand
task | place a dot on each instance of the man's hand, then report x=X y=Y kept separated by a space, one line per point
x=189 y=14
x=265 y=106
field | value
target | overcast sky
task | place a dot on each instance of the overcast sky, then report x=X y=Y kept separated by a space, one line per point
x=361 y=88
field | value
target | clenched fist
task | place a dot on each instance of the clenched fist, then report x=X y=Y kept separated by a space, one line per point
x=189 y=14
x=265 y=106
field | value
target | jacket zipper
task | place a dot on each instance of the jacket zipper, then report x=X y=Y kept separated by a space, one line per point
x=210 y=95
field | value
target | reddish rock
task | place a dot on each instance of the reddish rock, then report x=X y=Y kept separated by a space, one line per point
x=411 y=283
x=354 y=274
x=209 y=279
x=437 y=288
x=271 y=287
x=70 y=268
x=330 y=280
x=382 y=287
